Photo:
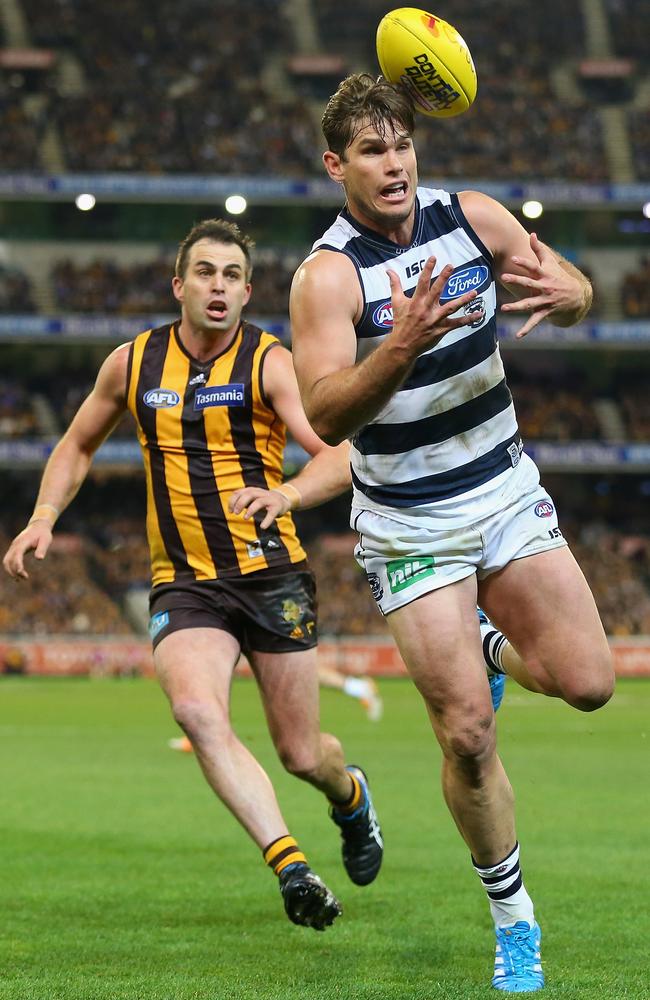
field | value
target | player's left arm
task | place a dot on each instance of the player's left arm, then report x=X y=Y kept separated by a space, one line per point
x=326 y=476
x=544 y=283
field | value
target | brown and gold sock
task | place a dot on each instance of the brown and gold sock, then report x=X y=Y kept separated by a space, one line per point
x=283 y=852
x=352 y=803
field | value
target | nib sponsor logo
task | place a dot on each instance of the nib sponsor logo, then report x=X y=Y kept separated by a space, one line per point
x=403 y=573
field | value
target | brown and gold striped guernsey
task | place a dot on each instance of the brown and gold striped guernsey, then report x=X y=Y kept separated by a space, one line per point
x=206 y=430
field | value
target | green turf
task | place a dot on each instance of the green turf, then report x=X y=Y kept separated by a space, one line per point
x=122 y=878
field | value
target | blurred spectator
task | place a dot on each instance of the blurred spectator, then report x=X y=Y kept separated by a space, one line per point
x=635 y=293
x=20 y=133
x=17 y=416
x=15 y=290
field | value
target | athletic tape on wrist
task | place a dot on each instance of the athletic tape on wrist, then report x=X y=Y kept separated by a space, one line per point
x=286 y=490
x=45 y=512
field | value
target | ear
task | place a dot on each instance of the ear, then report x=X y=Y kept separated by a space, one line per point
x=177 y=287
x=333 y=165
x=247 y=294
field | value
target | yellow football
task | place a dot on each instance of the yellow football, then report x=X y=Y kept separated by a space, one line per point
x=430 y=58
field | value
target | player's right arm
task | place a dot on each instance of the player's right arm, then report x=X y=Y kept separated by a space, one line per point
x=338 y=395
x=70 y=461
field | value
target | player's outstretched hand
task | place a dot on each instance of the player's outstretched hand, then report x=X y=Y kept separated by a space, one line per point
x=249 y=500
x=421 y=320
x=552 y=290
x=36 y=537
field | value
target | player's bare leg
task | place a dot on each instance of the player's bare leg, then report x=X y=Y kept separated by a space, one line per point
x=545 y=607
x=195 y=668
x=289 y=687
x=439 y=639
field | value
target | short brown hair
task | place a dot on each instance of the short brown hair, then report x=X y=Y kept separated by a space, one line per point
x=361 y=98
x=219 y=231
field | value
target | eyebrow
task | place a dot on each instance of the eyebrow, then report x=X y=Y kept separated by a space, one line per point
x=209 y=263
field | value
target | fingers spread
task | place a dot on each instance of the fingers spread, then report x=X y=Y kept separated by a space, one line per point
x=531 y=323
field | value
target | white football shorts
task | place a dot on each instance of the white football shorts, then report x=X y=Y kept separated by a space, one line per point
x=404 y=561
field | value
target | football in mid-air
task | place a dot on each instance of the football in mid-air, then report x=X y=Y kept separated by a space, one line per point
x=430 y=58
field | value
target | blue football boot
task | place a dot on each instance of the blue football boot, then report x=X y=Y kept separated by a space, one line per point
x=517 y=961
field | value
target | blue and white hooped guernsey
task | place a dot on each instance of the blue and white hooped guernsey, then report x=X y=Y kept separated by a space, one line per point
x=450 y=433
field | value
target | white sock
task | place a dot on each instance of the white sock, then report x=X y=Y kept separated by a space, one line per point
x=509 y=901
x=494 y=646
x=356 y=687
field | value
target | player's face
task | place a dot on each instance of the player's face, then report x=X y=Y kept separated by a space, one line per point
x=380 y=176
x=215 y=288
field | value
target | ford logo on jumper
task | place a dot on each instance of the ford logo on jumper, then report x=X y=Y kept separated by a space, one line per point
x=470 y=279
x=160 y=399
x=219 y=395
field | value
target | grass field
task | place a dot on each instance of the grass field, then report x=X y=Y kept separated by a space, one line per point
x=123 y=878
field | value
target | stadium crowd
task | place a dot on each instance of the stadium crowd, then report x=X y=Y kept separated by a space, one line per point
x=106 y=286
x=561 y=405
x=234 y=107
x=82 y=589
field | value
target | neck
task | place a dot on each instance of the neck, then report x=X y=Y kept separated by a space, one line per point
x=397 y=231
x=205 y=344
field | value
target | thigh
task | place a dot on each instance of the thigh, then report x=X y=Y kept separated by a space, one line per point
x=288 y=684
x=439 y=640
x=197 y=664
x=543 y=604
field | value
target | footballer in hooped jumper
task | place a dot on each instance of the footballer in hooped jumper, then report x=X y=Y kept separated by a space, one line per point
x=393 y=319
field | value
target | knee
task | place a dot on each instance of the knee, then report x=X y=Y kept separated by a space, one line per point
x=195 y=716
x=471 y=743
x=298 y=761
x=591 y=693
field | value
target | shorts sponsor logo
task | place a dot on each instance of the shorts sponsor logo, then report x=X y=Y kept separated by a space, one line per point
x=403 y=573
x=383 y=315
x=375 y=586
x=161 y=399
x=544 y=508
x=158 y=622
x=219 y=395
x=469 y=279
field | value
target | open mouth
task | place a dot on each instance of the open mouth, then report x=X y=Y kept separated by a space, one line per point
x=394 y=192
x=217 y=309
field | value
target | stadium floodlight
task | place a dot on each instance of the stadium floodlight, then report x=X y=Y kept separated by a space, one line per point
x=85 y=202
x=646 y=210
x=236 y=204
x=532 y=209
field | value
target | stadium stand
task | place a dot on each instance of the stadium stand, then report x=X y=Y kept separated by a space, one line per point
x=151 y=93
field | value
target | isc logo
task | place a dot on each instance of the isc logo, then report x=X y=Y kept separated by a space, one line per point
x=160 y=399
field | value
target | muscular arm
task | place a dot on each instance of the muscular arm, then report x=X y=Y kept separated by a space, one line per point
x=70 y=460
x=338 y=395
x=544 y=283
x=326 y=476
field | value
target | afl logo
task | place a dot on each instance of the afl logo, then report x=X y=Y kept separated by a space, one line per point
x=383 y=315
x=161 y=399
x=470 y=279
x=544 y=508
